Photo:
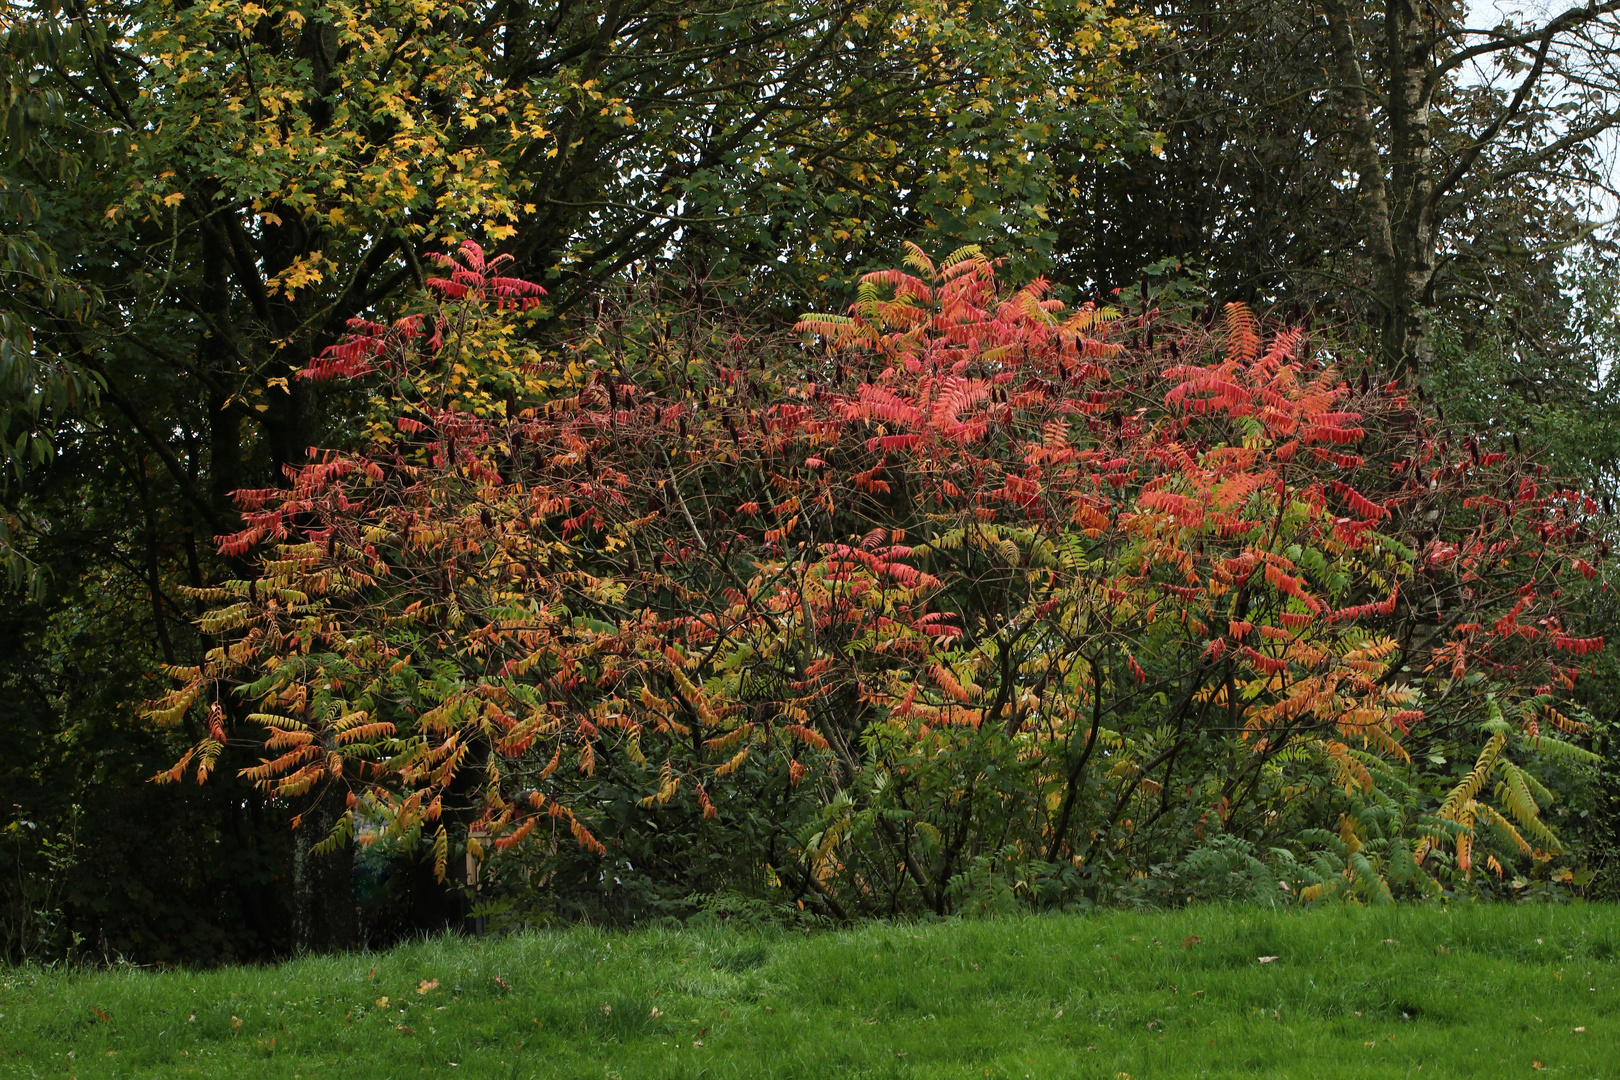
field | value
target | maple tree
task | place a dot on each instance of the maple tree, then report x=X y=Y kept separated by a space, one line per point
x=974 y=565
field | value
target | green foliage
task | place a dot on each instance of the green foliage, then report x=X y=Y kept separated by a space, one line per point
x=33 y=924
x=1544 y=371
x=107 y=866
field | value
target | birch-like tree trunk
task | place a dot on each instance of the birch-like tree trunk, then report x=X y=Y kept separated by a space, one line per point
x=1406 y=188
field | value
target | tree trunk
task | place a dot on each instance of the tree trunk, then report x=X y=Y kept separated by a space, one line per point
x=1411 y=34
x=1398 y=210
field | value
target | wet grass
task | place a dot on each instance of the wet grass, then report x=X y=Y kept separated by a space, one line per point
x=1469 y=991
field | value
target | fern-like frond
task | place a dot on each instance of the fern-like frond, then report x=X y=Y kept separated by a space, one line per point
x=905 y=286
x=1373 y=885
x=1489 y=815
x=1242 y=333
x=1515 y=795
x=917 y=259
x=968 y=257
x=814 y=323
x=1470 y=786
x=1495 y=722
x=1565 y=753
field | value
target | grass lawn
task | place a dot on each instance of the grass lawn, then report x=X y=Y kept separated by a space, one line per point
x=1405 y=992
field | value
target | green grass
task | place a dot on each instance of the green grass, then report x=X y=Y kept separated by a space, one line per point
x=1470 y=991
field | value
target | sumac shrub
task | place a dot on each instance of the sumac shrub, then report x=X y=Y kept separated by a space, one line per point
x=957 y=599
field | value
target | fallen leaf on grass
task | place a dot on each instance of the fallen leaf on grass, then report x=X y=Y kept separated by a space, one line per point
x=500 y=982
x=403 y=1030
x=103 y=1017
x=1266 y=959
x=1190 y=940
x=1580 y=1031
x=1537 y=1065
x=425 y=985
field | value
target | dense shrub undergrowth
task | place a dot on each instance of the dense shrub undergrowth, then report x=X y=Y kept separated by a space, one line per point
x=961 y=601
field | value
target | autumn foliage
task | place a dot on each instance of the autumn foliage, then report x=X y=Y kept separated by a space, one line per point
x=955 y=585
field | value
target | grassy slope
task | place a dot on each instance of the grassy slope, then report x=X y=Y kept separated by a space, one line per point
x=1470 y=991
